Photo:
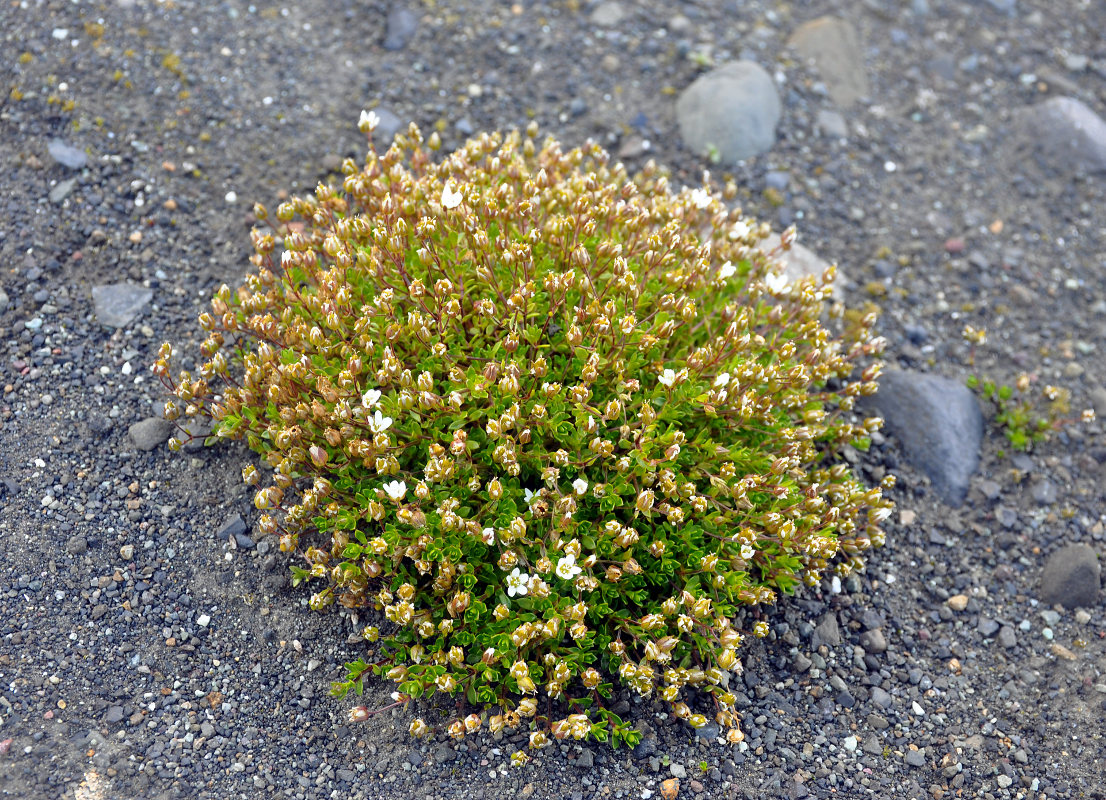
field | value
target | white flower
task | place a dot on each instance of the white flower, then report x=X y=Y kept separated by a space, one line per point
x=488 y=536
x=368 y=122
x=727 y=270
x=451 y=198
x=370 y=399
x=776 y=282
x=379 y=423
x=567 y=569
x=668 y=377
x=700 y=197
x=396 y=490
x=580 y=486
x=517 y=583
x=740 y=230
x=879 y=515
x=722 y=380
x=530 y=495
x=747 y=551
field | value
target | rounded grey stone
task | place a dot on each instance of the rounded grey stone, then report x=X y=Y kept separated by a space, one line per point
x=1064 y=133
x=732 y=111
x=1072 y=577
x=150 y=432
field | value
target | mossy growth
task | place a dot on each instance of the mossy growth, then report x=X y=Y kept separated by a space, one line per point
x=561 y=427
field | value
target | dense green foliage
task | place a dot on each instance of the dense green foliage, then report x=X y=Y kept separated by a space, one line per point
x=559 y=425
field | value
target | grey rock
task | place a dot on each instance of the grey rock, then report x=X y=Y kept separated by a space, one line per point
x=66 y=154
x=1064 y=133
x=827 y=633
x=1098 y=394
x=916 y=758
x=677 y=770
x=346 y=775
x=878 y=722
x=709 y=732
x=732 y=110
x=4 y=301
x=1072 y=577
x=873 y=641
x=831 y=124
x=443 y=754
x=987 y=627
x=117 y=304
x=834 y=47
x=243 y=541
x=400 y=27
x=234 y=526
x=1044 y=492
x=414 y=757
x=115 y=714
x=607 y=15
x=881 y=697
x=149 y=433
x=586 y=759
x=62 y=190
x=1006 y=637
x=872 y=745
x=1008 y=7
x=938 y=423
x=76 y=546
x=802 y=663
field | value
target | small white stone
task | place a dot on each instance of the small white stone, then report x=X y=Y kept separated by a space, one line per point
x=1082 y=617
x=890 y=166
x=60 y=33
x=231 y=197
x=203 y=620
x=917 y=709
x=850 y=743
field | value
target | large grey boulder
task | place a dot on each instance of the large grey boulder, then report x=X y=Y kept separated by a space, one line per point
x=939 y=425
x=732 y=111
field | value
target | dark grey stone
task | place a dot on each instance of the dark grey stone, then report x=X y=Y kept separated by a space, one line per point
x=939 y=425
x=873 y=641
x=401 y=26
x=916 y=758
x=77 y=546
x=1072 y=577
x=115 y=714
x=827 y=633
x=233 y=527
x=150 y=432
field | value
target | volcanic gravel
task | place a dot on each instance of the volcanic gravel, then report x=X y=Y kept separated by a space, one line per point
x=151 y=643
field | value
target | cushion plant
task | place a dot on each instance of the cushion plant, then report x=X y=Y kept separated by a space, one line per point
x=562 y=427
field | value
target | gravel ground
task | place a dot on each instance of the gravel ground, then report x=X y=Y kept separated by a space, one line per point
x=151 y=647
